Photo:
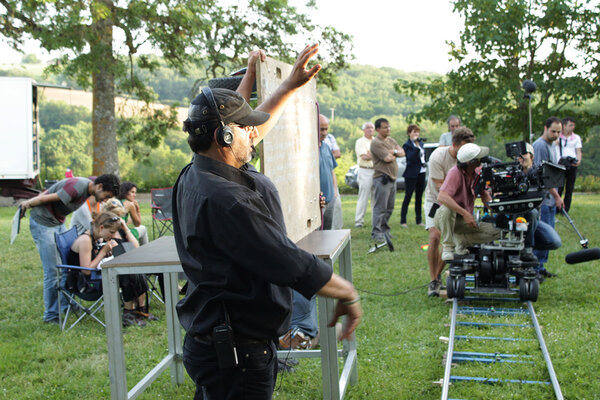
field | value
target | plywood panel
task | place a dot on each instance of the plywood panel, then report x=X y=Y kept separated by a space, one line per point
x=290 y=156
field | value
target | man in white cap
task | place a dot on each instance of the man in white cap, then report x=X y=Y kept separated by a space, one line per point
x=454 y=218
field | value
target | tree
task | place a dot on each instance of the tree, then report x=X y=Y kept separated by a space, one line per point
x=183 y=31
x=68 y=146
x=503 y=42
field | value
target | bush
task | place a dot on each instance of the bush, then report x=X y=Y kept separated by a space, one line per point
x=587 y=184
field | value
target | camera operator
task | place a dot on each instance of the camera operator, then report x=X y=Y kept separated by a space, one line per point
x=457 y=195
x=552 y=201
x=540 y=235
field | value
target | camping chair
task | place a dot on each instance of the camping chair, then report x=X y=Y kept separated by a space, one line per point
x=162 y=215
x=64 y=241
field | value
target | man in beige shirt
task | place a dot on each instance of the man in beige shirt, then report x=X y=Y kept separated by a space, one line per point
x=365 y=173
x=384 y=151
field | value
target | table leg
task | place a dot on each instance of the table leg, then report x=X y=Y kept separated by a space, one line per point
x=174 y=328
x=329 y=357
x=345 y=262
x=114 y=335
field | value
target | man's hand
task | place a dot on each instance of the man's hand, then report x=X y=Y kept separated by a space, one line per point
x=252 y=57
x=300 y=75
x=470 y=220
x=560 y=204
x=353 y=312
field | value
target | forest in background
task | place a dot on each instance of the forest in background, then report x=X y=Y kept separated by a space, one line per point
x=364 y=93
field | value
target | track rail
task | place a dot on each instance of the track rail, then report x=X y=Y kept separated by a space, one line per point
x=453 y=357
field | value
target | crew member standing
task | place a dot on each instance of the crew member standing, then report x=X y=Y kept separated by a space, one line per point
x=552 y=200
x=384 y=151
x=569 y=145
x=365 y=173
x=240 y=264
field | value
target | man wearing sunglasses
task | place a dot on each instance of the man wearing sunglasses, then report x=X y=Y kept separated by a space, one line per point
x=48 y=213
x=239 y=262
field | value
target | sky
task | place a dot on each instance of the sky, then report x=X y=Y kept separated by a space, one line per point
x=402 y=34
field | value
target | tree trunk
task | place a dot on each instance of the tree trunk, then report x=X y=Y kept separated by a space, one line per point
x=106 y=157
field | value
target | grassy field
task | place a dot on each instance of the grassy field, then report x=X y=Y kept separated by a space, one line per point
x=399 y=352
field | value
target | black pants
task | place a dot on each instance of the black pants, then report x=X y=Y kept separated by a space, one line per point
x=570 y=177
x=410 y=185
x=253 y=379
x=132 y=286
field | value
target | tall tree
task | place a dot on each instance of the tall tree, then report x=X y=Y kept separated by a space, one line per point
x=100 y=40
x=504 y=42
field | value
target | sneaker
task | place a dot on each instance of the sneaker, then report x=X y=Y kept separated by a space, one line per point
x=404 y=225
x=53 y=321
x=283 y=366
x=447 y=256
x=544 y=272
x=145 y=313
x=358 y=225
x=130 y=318
x=296 y=339
x=434 y=288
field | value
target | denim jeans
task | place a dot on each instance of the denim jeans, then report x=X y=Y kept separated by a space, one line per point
x=43 y=236
x=304 y=314
x=546 y=236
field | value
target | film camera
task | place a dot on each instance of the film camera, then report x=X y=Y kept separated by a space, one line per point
x=515 y=194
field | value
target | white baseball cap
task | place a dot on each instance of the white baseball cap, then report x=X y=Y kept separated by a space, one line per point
x=471 y=151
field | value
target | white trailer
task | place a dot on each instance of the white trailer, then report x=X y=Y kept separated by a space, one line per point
x=19 y=136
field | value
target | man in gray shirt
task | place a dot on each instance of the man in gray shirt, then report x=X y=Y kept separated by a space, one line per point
x=453 y=123
x=48 y=213
x=545 y=151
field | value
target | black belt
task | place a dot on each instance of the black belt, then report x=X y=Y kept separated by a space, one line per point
x=365 y=167
x=238 y=339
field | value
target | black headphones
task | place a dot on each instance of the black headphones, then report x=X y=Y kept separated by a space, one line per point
x=224 y=132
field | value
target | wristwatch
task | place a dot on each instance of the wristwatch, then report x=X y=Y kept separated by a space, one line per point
x=395 y=151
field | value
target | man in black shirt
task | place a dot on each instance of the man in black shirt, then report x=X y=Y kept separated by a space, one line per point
x=240 y=264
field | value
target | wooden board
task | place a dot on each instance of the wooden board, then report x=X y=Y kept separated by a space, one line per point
x=290 y=152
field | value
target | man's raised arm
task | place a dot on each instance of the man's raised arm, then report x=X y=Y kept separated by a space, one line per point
x=299 y=77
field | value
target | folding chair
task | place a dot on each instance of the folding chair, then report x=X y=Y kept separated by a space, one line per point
x=162 y=215
x=64 y=241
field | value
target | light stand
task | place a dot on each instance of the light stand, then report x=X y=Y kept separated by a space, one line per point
x=529 y=87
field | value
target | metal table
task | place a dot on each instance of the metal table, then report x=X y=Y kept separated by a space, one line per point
x=331 y=246
x=160 y=256
x=157 y=257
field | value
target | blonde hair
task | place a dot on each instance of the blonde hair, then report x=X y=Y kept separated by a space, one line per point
x=113 y=205
x=107 y=220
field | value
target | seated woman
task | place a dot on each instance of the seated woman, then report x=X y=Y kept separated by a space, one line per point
x=93 y=246
x=127 y=196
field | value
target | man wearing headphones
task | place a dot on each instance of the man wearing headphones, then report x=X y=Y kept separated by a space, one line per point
x=240 y=264
x=457 y=196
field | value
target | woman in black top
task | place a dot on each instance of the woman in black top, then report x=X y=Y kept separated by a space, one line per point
x=414 y=174
x=93 y=246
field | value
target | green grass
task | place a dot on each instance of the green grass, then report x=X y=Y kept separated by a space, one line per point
x=399 y=353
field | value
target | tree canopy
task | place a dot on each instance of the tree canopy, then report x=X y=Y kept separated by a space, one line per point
x=504 y=42
x=97 y=41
